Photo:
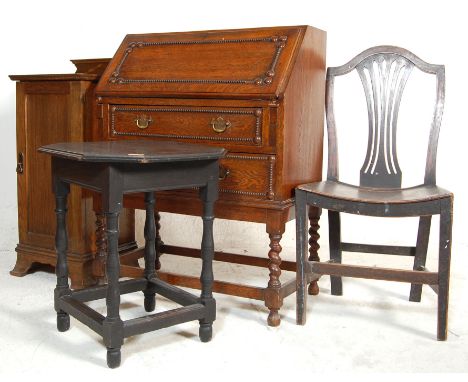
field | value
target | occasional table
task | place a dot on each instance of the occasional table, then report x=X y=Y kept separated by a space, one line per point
x=115 y=168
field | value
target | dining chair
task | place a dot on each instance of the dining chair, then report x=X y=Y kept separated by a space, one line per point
x=383 y=71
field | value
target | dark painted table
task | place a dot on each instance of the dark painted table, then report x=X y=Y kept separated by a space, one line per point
x=115 y=168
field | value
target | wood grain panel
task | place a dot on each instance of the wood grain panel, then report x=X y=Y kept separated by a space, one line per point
x=247 y=176
x=46 y=115
x=303 y=117
x=242 y=62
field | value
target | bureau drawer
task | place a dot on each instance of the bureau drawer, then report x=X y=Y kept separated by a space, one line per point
x=218 y=125
x=242 y=177
x=250 y=176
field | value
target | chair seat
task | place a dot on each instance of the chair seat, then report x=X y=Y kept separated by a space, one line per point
x=344 y=191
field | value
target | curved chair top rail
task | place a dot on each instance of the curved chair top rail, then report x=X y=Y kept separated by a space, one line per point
x=383 y=71
x=389 y=49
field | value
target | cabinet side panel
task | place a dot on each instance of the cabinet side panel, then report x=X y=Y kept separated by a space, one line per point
x=22 y=180
x=304 y=115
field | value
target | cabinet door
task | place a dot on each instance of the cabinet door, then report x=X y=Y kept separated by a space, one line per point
x=47 y=112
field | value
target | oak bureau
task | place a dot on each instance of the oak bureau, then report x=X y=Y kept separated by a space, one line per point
x=259 y=93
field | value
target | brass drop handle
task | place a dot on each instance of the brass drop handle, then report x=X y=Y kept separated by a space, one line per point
x=219 y=125
x=20 y=164
x=143 y=121
x=223 y=172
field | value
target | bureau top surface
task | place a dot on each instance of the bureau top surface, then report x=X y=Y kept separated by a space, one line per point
x=133 y=151
x=240 y=62
x=55 y=77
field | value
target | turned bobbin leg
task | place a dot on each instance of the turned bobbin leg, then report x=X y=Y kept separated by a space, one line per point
x=159 y=242
x=150 y=251
x=112 y=325
x=274 y=284
x=61 y=191
x=100 y=259
x=208 y=194
x=273 y=299
x=314 y=216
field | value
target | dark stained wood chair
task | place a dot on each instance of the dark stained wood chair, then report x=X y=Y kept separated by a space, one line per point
x=384 y=71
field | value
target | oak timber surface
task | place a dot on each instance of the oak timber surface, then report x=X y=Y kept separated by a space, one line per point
x=257 y=92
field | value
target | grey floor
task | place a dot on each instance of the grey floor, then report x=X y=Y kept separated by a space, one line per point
x=372 y=328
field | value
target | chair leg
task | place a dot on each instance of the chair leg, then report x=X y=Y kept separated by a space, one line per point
x=421 y=253
x=445 y=247
x=334 y=228
x=150 y=251
x=301 y=261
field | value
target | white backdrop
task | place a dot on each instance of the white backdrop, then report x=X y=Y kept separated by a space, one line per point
x=41 y=36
